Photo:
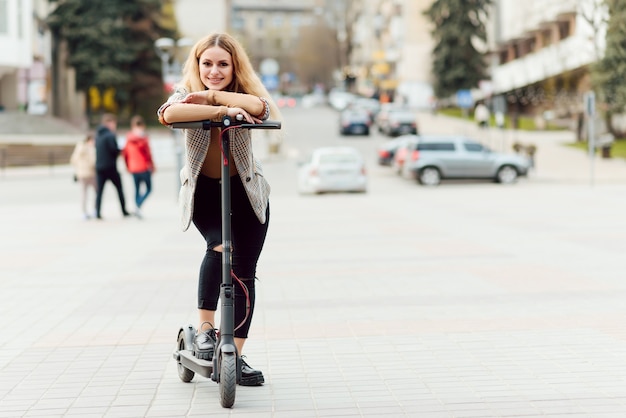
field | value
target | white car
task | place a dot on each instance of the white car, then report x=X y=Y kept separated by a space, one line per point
x=339 y=100
x=333 y=169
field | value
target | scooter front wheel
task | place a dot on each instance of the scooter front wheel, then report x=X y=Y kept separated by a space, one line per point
x=228 y=379
x=184 y=373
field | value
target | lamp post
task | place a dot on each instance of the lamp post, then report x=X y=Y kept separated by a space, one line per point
x=170 y=51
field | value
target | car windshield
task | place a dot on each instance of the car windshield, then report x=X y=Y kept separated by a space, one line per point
x=401 y=114
x=355 y=113
x=339 y=158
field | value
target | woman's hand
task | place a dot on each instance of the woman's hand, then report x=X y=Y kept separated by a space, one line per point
x=233 y=112
x=200 y=97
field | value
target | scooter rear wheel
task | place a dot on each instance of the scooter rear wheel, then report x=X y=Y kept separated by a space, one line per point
x=228 y=379
x=184 y=373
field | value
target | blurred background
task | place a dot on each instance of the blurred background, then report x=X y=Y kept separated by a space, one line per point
x=535 y=64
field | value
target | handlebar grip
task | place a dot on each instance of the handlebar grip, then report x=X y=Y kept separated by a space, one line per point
x=268 y=124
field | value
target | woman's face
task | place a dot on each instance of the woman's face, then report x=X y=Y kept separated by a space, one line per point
x=216 y=68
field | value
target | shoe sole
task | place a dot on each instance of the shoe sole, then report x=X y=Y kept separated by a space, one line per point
x=255 y=380
x=202 y=354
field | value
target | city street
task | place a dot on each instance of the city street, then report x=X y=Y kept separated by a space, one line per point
x=470 y=299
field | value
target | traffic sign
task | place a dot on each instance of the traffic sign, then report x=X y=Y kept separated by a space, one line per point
x=270 y=82
x=464 y=99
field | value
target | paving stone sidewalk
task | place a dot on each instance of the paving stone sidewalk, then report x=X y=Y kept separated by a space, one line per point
x=480 y=301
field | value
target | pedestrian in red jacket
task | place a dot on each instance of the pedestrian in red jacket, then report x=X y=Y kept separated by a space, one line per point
x=138 y=160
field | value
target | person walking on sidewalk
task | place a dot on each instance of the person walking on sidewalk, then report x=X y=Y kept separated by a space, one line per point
x=219 y=80
x=83 y=160
x=138 y=160
x=481 y=115
x=107 y=152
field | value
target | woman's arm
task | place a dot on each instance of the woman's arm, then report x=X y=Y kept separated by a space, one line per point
x=189 y=112
x=256 y=106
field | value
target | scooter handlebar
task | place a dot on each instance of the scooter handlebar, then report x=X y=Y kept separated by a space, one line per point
x=225 y=123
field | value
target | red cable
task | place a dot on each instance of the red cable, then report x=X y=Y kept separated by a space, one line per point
x=247 y=293
x=224 y=130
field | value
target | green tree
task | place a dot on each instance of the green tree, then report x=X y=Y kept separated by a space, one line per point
x=458 y=27
x=609 y=73
x=111 y=45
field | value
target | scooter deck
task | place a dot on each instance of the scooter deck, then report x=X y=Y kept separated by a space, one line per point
x=189 y=361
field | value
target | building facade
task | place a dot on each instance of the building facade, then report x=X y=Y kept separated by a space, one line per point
x=25 y=59
x=197 y=18
x=289 y=34
x=541 y=52
x=391 y=50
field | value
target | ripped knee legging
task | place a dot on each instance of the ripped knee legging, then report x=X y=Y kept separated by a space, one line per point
x=247 y=236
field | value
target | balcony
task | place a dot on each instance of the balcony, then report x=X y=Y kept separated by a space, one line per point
x=566 y=55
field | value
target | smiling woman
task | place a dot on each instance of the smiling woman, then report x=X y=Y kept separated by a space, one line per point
x=216 y=68
x=218 y=80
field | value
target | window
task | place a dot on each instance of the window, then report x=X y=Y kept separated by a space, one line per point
x=260 y=23
x=4 y=13
x=277 y=21
x=238 y=22
x=338 y=158
x=473 y=147
x=20 y=27
x=296 y=21
x=435 y=146
x=564 y=30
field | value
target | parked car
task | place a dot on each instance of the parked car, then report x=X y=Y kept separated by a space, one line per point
x=433 y=158
x=333 y=169
x=399 y=121
x=371 y=106
x=387 y=151
x=354 y=121
x=313 y=99
x=285 y=101
x=383 y=114
x=402 y=152
x=340 y=99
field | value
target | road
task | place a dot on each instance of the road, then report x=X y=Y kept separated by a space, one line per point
x=468 y=299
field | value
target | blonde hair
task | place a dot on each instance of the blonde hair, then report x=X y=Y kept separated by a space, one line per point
x=245 y=79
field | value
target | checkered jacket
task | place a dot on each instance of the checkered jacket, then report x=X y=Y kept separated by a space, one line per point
x=196 y=146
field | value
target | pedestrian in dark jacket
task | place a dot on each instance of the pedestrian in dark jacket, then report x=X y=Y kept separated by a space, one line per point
x=107 y=152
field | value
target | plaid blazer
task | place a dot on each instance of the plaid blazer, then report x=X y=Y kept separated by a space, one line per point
x=249 y=168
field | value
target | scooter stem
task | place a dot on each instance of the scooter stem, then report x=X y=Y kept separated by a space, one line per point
x=227 y=291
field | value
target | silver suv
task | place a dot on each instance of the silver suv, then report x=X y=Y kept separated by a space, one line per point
x=433 y=158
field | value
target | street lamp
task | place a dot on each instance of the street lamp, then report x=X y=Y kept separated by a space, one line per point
x=171 y=51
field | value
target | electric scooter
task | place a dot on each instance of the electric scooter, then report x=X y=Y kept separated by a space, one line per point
x=225 y=367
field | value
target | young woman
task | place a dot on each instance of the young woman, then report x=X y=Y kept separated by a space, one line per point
x=218 y=80
x=83 y=160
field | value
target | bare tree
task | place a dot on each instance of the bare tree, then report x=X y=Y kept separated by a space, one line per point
x=316 y=57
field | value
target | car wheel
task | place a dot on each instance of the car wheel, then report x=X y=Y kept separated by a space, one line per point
x=429 y=176
x=507 y=174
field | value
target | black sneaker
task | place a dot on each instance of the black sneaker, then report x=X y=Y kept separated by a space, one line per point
x=250 y=376
x=204 y=344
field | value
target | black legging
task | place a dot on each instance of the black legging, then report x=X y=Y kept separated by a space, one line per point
x=247 y=235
